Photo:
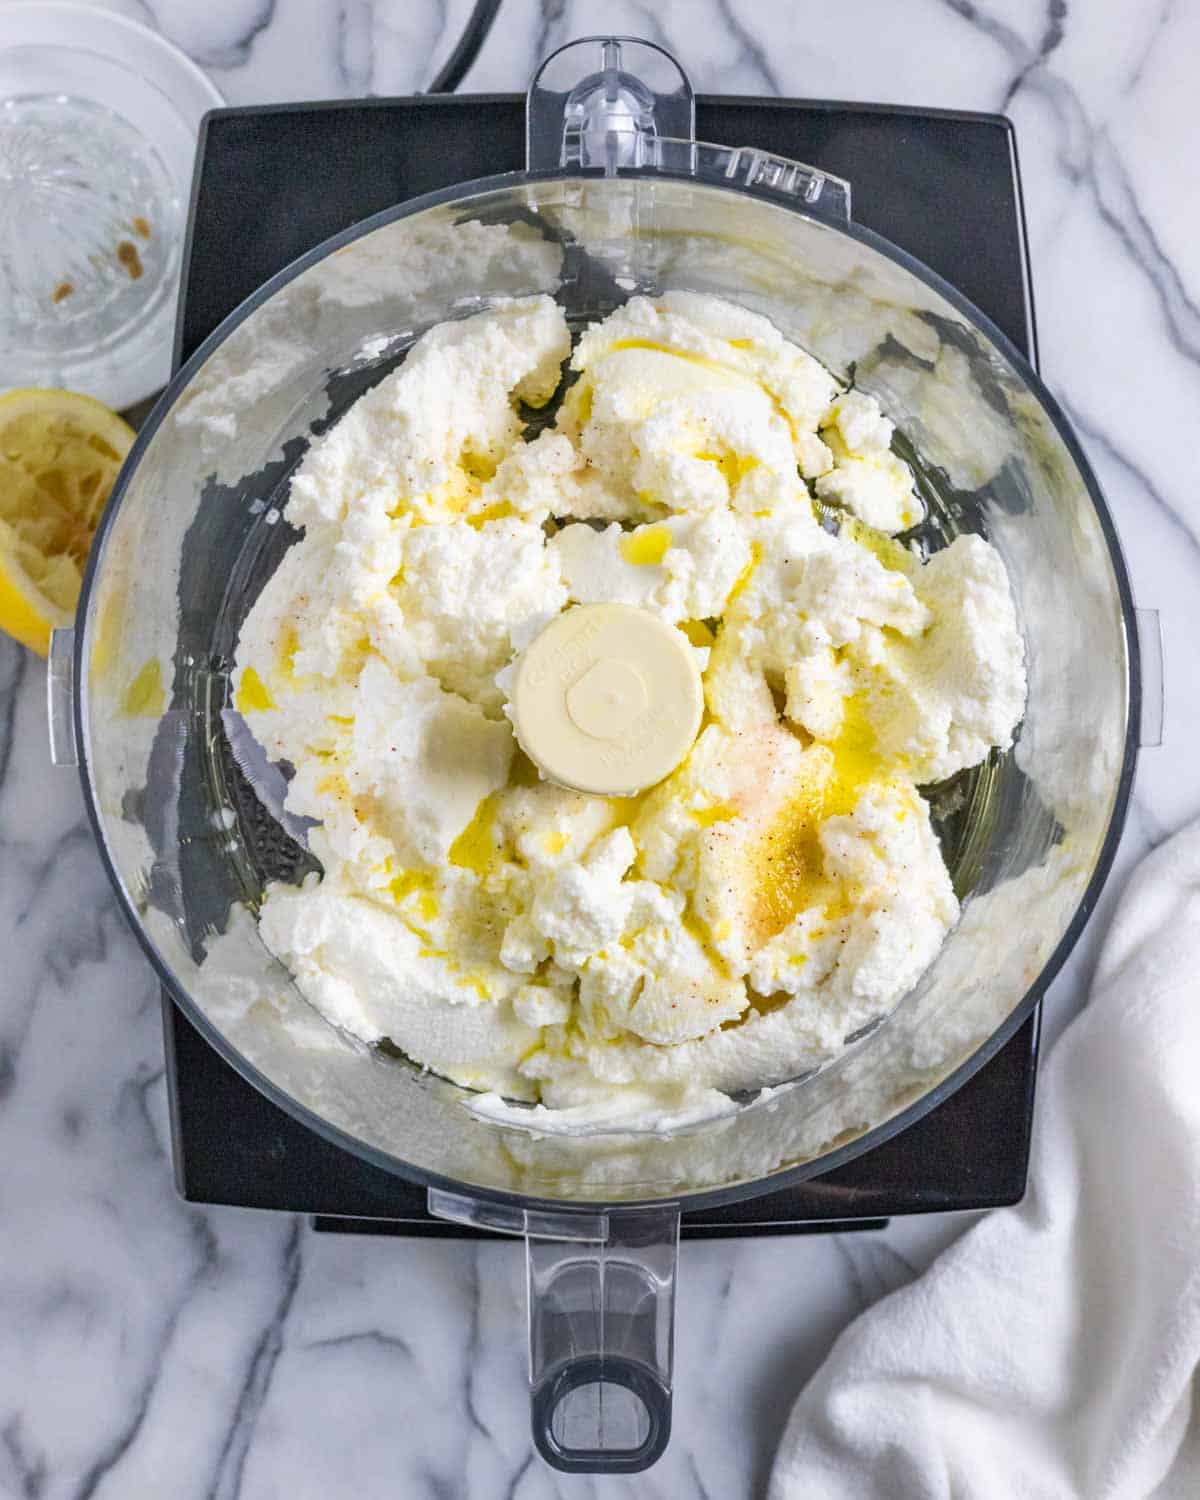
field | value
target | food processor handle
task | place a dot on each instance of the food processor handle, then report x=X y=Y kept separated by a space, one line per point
x=601 y=1291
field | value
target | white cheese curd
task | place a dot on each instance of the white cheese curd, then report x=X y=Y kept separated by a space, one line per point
x=396 y=448
x=374 y=976
x=582 y=906
x=681 y=569
x=466 y=594
x=550 y=825
x=421 y=760
x=941 y=701
x=618 y=957
x=549 y=476
x=867 y=478
x=878 y=488
x=736 y=349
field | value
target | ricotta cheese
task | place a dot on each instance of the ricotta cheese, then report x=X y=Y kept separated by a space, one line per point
x=783 y=888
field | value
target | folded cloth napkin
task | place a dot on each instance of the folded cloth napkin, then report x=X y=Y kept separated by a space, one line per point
x=1052 y=1351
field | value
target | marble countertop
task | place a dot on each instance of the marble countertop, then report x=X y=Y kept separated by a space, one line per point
x=148 y=1347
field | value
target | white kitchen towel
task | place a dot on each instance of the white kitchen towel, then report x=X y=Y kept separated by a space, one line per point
x=1052 y=1351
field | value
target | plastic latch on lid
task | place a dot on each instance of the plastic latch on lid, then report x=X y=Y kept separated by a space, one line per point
x=618 y=103
x=601 y=101
x=60 y=714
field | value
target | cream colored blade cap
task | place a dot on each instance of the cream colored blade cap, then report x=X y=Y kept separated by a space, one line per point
x=607 y=699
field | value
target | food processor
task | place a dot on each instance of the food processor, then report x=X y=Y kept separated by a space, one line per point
x=618 y=198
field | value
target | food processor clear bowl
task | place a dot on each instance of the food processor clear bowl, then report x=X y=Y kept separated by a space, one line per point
x=619 y=200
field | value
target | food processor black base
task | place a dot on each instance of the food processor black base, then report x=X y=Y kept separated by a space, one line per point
x=271 y=183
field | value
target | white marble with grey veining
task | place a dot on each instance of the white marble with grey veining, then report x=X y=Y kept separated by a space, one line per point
x=149 y=1348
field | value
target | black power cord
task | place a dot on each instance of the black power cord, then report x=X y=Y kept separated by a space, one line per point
x=458 y=64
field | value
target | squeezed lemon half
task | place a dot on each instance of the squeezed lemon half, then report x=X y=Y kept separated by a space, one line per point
x=60 y=454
